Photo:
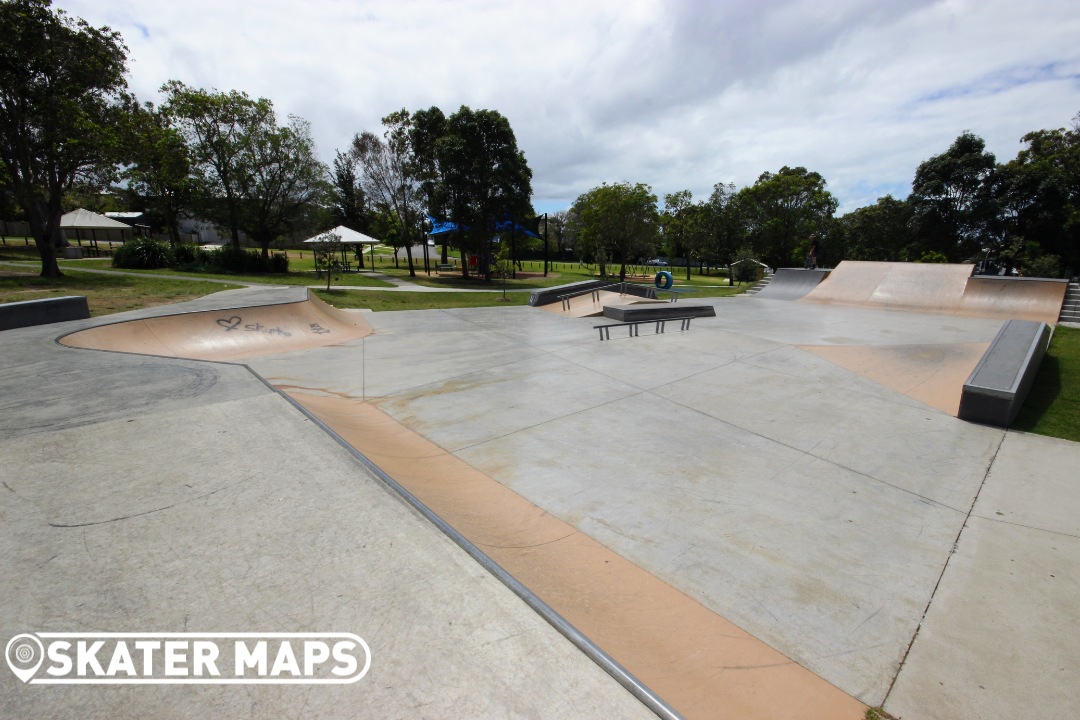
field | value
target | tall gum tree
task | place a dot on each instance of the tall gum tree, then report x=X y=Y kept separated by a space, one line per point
x=476 y=173
x=62 y=92
x=391 y=178
x=782 y=211
x=616 y=223
x=218 y=128
x=949 y=198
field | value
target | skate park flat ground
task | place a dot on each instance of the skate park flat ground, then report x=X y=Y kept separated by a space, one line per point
x=900 y=554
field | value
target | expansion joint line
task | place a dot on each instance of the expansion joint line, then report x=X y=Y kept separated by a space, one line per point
x=944 y=569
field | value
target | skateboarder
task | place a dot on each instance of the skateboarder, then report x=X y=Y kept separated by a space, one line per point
x=811 y=257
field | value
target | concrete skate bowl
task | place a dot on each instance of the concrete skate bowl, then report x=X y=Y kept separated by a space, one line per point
x=229 y=334
x=945 y=289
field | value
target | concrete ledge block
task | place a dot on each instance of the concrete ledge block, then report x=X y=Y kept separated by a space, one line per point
x=659 y=311
x=999 y=384
x=547 y=296
x=42 y=312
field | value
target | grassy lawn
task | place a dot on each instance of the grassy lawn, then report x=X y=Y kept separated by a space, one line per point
x=382 y=301
x=105 y=294
x=1053 y=407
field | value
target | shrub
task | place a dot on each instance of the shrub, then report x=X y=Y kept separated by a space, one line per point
x=185 y=253
x=142 y=254
x=279 y=263
x=1044 y=266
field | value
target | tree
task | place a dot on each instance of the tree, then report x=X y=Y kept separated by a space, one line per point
x=62 y=91
x=474 y=172
x=881 y=231
x=556 y=228
x=617 y=223
x=325 y=249
x=675 y=224
x=1037 y=198
x=784 y=210
x=390 y=177
x=950 y=198
x=160 y=169
x=726 y=226
x=219 y=128
x=280 y=179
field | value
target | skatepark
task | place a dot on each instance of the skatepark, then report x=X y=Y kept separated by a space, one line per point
x=775 y=512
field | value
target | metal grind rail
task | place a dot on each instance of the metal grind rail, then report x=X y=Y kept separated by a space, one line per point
x=633 y=325
x=595 y=292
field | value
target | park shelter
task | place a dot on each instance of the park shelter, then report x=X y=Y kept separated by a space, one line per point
x=347 y=236
x=81 y=224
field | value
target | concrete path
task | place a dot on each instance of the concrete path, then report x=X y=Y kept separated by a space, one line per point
x=821 y=512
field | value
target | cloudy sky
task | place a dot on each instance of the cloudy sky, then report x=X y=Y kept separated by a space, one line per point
x=673 y=93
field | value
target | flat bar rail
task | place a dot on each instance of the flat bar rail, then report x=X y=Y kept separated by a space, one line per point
x=633 y=325
x=595 y=292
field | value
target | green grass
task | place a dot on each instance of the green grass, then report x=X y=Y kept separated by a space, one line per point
x=1053 y=406
x=105 y=294
x=877 y=713
x=383 y=301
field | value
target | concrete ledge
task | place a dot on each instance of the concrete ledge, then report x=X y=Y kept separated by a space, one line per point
x=664 y=311
x=42 y=312
x=999 y=384
x=550 y=295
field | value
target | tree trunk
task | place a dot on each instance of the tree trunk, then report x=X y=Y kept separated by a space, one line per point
x=408 y=254
x=46 y=232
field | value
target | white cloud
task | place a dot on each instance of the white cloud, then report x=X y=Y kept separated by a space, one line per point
x=674 y=93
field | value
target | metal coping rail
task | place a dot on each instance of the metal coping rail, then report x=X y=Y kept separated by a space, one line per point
x=595 y=292
x=632 y=326
x=593 y=651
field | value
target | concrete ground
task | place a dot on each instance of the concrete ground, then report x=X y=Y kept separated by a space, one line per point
x=825 y=514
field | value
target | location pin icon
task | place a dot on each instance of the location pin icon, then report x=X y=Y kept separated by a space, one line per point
x=24 y=654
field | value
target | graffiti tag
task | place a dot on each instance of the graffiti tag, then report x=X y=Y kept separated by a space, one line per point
x=234 y=323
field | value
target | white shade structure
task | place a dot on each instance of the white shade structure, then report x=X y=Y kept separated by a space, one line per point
x=348 y=237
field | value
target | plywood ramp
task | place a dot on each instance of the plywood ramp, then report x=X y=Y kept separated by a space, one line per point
x=230 y=334
x=698 y=662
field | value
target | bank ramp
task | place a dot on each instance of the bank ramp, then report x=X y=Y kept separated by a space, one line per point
x=948 y=289
x=230 y=334
x=791 y=284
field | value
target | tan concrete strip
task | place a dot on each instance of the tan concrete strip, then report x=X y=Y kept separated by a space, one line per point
x=931 y=374
x=697 y=661
x=229 y=334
